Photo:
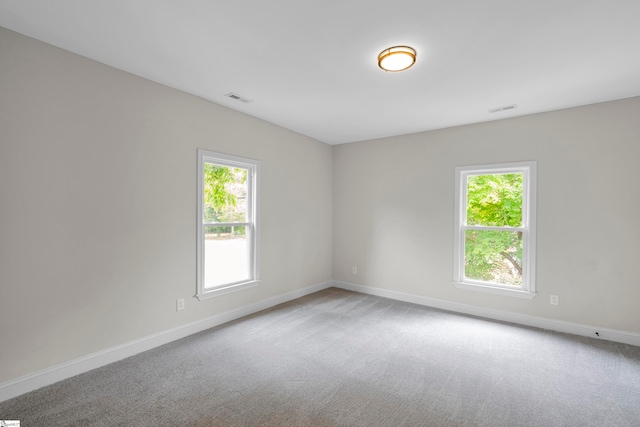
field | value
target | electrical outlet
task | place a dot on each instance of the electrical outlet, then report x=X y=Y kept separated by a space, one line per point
x=553 y=300
x=354 y=270
x=180 y=304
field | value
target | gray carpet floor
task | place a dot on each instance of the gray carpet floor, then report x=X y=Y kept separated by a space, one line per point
x=339 y=358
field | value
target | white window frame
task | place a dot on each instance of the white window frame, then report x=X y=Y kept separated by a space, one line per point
x=528 y=229
x=253 y=174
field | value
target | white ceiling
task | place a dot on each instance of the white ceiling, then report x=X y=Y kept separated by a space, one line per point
x=310 y=66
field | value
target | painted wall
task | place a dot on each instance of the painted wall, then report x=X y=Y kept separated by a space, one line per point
x=98 y=205
x=394 y=200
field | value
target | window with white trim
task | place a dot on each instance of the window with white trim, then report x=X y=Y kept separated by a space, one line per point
x=227 y=224
x=494 y=246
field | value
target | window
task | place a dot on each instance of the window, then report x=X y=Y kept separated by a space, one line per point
x=494 y=246
x=227 y=223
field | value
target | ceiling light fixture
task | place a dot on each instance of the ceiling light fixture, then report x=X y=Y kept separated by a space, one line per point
x=397 y=58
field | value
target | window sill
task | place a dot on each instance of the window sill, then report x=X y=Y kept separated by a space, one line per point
x=495 y=290
x=227 y=289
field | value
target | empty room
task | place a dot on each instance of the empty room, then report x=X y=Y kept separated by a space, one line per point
x=306 y=213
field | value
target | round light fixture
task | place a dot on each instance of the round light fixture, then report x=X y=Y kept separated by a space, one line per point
x=397 y=58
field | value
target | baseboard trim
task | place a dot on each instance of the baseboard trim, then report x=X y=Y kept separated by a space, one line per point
x=36 y=380
x=595 y=332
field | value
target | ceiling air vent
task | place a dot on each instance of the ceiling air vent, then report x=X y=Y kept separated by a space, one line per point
x=238 y=97
x=504 y=108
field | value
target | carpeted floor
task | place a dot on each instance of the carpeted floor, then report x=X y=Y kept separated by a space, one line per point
x=339 y=358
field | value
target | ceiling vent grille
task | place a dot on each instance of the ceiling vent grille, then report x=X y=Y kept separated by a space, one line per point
x=237 y=97
x=503 y=108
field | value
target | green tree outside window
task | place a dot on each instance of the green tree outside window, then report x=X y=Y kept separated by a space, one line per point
x=225 y=198
x=494 y=200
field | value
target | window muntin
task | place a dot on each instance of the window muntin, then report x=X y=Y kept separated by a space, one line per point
x=495 y=228
x=227 y=223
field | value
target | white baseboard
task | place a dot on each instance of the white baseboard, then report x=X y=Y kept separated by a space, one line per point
x=69 y=369
x=624 y=337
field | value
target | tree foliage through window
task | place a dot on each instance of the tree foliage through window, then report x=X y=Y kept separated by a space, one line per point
x=494 y=200
x=225 y=196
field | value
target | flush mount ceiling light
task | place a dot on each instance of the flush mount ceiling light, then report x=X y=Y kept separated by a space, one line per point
x=397 y=58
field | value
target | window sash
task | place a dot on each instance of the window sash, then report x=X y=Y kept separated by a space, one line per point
x=250 y=262
x=491 y=282
x=231 y=164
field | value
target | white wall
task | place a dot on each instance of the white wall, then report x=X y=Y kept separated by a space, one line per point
x=394 y=197
x=98 y=205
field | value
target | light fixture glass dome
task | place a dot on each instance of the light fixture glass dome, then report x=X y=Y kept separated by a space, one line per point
x=397 y=58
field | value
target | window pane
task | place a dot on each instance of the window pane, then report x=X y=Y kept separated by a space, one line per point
x=494 y=200
x=493 y=256
x=226 y=256
x=225 y=194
